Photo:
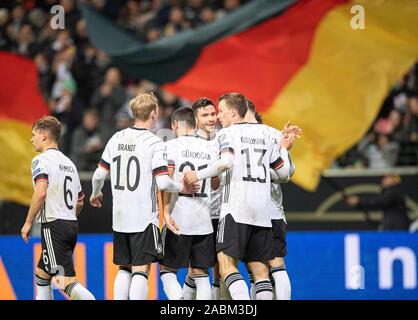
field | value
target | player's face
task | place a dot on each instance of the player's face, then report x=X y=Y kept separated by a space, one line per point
x=37 y=140
x=224 y=114
x=206 y=119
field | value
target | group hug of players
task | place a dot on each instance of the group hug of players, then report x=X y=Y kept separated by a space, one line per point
x=222 y=203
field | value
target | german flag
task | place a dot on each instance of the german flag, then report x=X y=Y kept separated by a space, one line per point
x=20 y=105
x=324 y=65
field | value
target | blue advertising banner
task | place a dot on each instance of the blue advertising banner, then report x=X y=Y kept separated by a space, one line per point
x=321 y=265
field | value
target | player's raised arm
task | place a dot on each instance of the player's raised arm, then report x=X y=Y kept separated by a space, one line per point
x=160 y=171
x=286 y=143
x=280 y=161
x=225 y=161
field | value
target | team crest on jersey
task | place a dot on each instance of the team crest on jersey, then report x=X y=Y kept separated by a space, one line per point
x=34 y=164
x=221 y=138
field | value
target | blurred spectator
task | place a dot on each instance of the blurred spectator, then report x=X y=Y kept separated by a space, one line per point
x=379 y=150
x=391 y=200
x=176 y=23
x=25 y=43
x=4 y=19
x=192 y=11
x=107 y=99
x=409 y=135
x=87 y=143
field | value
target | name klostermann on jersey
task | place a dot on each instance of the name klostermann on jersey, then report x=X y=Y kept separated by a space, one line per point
x=126 y=147
x=66 y=168
x=249 y=140
x=195 y=155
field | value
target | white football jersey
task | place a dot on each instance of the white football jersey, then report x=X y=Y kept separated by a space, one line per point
x=192 y=212
x=276 y=190
x=64 y=188
x=134 y=157
x=246 y=194
x=216 y=195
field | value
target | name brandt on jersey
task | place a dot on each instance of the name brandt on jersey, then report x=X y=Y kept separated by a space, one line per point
x=126 y=147
x=249 y=140
x=66 y=168
x=195 y=155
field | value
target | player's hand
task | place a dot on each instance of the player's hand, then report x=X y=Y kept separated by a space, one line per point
x=292 y=129
x=190 y=188
x=190 y=177
x=25 y=231
x=96 y=201
x=171 y=224
x=352 y=201
x=288 y=141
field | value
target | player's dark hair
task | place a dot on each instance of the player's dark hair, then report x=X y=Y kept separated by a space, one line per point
x=184 y=114
x=201 y=103
x=50 y=124
x=237 y=101
x=251 y=106
x=258 y=117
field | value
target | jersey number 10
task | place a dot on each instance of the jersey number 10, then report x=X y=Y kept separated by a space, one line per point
x=135 y=161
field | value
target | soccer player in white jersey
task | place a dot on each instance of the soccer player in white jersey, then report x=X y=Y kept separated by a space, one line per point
x=244 y=232
x=57 y=201
x=278 y=274
x=137 y=163
x=205 y=115
x=188 y=233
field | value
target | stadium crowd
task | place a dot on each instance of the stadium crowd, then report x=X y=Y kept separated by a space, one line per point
x=90 y=96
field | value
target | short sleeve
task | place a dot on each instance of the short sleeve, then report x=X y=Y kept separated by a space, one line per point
x=170 y=150
x=159 y=159
x=225 y=141
x=39 y=170
x=79 y=188
x=105 y=160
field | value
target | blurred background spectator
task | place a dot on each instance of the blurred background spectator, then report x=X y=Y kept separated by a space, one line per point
x=391 y=201
x=75 y=76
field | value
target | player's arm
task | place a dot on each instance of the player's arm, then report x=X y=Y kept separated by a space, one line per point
x=97 y=182
x=225 y=162
x=275 y=178
x=36 y=203
x=168 y=219
x=160 y=172
x=80 y=203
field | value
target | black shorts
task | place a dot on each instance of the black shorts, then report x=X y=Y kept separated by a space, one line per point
x=279 y=238
x=215 y=223
x=196 y=251
x=138 y=248
x=243 y=241
x=59 y=239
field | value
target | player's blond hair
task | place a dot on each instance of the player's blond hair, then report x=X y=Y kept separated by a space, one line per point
x=142 y=105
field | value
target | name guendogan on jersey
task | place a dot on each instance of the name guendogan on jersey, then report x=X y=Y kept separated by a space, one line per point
x=126 y=147
x=195 y=155
x=249 y=140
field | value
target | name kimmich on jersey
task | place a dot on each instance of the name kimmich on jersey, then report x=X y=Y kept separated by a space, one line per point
x=64 y=188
